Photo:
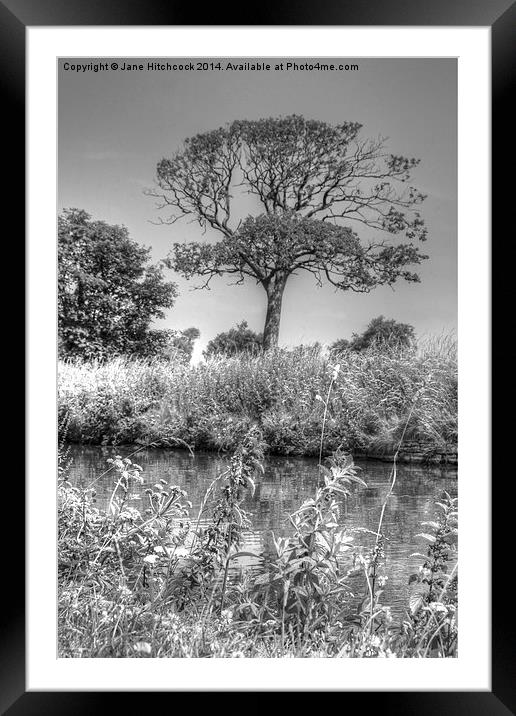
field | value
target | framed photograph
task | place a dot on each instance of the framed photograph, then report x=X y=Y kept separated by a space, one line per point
x=258 y=354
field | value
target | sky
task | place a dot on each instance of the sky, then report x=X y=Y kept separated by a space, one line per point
x=114 y=127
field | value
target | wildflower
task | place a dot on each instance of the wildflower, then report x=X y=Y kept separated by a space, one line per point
x=142 y=648
x=438 y=607
x=180 y=551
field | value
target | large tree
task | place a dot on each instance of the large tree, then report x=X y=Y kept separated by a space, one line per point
x=108 y=293
x=313 y=181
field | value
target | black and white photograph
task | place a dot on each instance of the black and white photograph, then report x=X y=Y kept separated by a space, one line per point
x=257 y=358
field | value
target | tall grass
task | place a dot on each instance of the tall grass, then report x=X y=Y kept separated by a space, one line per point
x=213 y=404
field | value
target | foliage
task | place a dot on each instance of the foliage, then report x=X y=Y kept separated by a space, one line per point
x=153 y=583
x=383 y=332
x=108 y=294
x=302 y=589
x=209 y=405
x=308 y=177
x=433 y=605
x=95 y=543
x=213 y=543
x=181 y=345
x=240 y=339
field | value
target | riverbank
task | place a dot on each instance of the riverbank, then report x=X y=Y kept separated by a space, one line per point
x=413 y=452
x=366 y=405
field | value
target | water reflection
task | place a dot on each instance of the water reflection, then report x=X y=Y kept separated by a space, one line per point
x=286 y=483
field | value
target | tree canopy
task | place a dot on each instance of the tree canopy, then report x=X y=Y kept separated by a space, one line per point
x=108 y=293
x=313 y=182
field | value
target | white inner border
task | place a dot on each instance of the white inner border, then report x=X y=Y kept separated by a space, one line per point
x=471 y=670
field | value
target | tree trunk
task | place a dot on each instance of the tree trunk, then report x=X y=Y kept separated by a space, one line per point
x=272 y=320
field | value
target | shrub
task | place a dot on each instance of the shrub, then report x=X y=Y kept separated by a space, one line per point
x=381 y=332
x=237 y=340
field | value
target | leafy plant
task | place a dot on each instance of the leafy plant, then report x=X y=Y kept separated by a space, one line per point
x=214 y=543
x=303 y=586
x=433 y=604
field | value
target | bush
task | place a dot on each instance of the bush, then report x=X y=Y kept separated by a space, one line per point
x=382 y=333
x=237 y=340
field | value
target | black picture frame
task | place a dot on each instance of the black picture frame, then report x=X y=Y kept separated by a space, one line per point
x=500 y=15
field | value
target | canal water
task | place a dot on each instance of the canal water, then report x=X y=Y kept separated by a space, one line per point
x=283 y=487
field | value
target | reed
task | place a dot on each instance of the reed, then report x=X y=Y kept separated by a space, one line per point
x=213 y=404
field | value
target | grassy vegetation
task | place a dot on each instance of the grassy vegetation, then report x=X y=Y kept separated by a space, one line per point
x=157 y=582
x=375 y=395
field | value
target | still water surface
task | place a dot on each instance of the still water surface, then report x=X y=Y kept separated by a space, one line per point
x=286 y=483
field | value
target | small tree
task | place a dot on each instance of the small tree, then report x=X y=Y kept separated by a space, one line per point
x=380 y=332
x=237 y=340
x=309 y=177
x=108 y=294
